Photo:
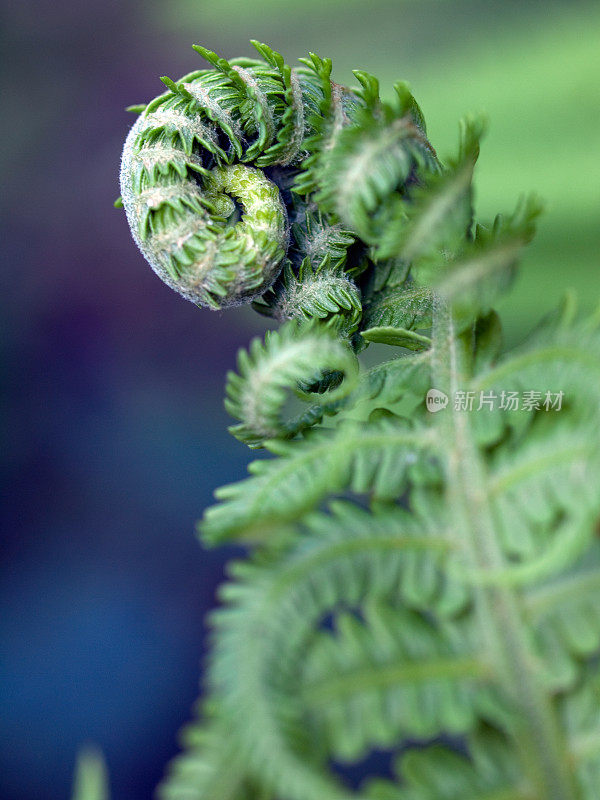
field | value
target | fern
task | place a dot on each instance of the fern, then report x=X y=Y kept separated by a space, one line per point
x=91 y=782
x=428 y=583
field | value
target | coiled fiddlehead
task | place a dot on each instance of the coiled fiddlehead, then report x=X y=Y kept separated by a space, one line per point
x=218 y=174
x=295 y=358
x=223 y=180
x=201 y=174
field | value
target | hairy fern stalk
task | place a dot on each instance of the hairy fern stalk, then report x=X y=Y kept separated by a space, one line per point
x=423 y=575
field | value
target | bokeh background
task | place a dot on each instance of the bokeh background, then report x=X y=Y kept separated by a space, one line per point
x=113 y=427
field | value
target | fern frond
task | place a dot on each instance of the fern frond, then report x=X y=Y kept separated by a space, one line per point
x=263 y=635
x=325 y=293
x=538 y=484
x=453 y=595
x=376 y=459
x=243 y=111
x=565 y=615
x=289 y=360
x=440 y=213
x=399 y=337
x=210 y=766
x=374 y=162
x=316 y=237
x=332 y=105
x=291 y=129
x=476 y=276
x=581 y=714
x=535 y=729
x=407 y=305
x=90 y=781
x=395 y=387
x=437 y=773
x=547 y=508
x=393 y=674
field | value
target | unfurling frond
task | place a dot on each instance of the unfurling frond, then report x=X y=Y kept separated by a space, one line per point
x=424 y=573
x=294 y=358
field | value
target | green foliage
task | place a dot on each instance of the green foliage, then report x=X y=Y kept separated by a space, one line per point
x=289 y=358
x=422 y=582
x=91 y=781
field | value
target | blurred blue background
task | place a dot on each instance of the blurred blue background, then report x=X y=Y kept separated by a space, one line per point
x=114 y=432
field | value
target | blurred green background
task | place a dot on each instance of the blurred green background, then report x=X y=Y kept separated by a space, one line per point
x=114 y=429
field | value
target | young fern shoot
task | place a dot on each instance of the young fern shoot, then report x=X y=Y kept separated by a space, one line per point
x=423 y=572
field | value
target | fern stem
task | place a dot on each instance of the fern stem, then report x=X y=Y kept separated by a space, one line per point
x=536 y=728
x=344 y=685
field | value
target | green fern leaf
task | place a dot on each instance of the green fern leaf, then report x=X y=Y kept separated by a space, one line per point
x=440 y=215
x=91 y=780
x=375 y=459
x=364 y=174
x=264 y=632
x=290 y=359
x=474 y=279
x=437 y=773
x=210 y=766
x=581 y=713
x=565 y=615
x=408 y=305
x=447 y=608
x=399 y=337
x=396 y=674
